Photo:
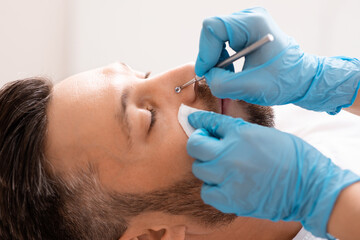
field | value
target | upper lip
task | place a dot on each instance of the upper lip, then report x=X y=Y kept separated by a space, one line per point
x=221 y=101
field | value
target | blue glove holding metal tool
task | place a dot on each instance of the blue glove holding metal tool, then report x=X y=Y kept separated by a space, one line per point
x=277 y=73
x=256 y=171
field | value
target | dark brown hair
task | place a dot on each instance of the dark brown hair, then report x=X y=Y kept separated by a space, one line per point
x=36 y=203
x=28 y=197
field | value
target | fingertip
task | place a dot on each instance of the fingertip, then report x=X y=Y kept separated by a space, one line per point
x=199 y=134
x=260 y=9
x=195 y=140
x=207 y=193
x=196 y=169
x=203 y=146
x=208 y=22
x=196 y=118
x=216 y=124
x=200 y=68
x=212 y=37
x=192 y=119
x=199 y=144
x=210 y=194
x=213 y=195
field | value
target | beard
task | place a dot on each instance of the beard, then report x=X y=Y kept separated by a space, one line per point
x=183 y=198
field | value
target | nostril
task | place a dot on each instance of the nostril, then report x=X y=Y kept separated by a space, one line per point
x=194 y=91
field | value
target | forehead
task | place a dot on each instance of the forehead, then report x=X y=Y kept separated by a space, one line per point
x=79 y=103
x=93 y=79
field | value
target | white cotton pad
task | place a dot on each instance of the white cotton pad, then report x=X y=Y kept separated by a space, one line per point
x=184 y=112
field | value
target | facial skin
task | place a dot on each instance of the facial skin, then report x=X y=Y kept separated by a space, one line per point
x=86 y=125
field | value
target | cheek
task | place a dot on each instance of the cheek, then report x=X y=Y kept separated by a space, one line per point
x=174 y=154
x=170 y=161
x=158 y=164
x=168 y=143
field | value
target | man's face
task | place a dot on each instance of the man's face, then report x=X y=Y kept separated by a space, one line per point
x=127 y=126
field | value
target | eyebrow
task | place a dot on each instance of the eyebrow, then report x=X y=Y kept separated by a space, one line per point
x=123 y=115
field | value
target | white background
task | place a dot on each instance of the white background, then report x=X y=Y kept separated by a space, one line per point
x=59 y=38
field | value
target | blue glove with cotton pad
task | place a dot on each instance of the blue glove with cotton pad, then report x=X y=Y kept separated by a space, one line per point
x=277 y=73
x=261 y=172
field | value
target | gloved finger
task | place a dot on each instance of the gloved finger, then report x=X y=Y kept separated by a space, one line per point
x=209 y=172
x=245 y=27
x=212 y=38
x=216 y=124
x=248 y=85
x=225 y=55
x=214 y=196
x=202 y=145
x=237 y=28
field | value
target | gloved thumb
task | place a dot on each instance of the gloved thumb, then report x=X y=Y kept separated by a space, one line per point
x=202 y=146
x=248 y=85
x=217 y=79
x=216 y=124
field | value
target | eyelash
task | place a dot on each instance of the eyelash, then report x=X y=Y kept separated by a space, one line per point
x=147 y=75
x=153 y=118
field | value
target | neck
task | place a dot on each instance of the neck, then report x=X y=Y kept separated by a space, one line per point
x=251 y=228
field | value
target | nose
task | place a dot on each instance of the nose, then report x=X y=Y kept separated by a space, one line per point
x=165 y=85
x=187 y=95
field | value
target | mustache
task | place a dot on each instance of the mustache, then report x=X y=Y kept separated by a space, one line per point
x=203 y=93
x=202 y=90
x=261 y=115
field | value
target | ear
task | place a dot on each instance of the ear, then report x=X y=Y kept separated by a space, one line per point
x=160 y=233
x=173 y=233
x=155 y=226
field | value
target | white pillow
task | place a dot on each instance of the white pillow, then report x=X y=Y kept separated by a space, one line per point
x=337 y=137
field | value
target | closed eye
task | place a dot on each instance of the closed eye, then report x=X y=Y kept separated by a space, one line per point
x=153 y=118
x=147 y=75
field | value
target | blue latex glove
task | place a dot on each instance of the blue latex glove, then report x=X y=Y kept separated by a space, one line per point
x=277 y=73
x=256 y=171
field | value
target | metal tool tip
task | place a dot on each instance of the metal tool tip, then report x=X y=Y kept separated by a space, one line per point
x=271 y=37
x=178 y=89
